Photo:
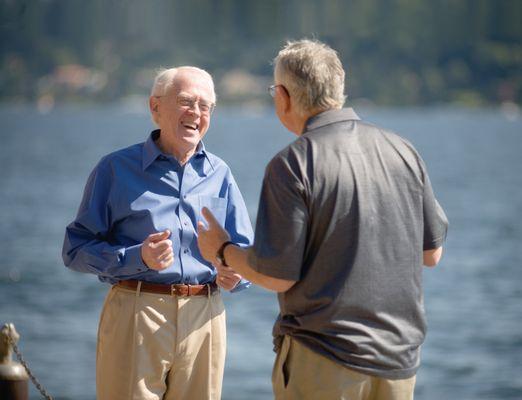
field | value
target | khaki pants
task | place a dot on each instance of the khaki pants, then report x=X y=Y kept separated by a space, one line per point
x=301 y=374
x=153 y=346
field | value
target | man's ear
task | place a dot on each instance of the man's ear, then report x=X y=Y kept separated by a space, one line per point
x=153 y=104
x=285 y=98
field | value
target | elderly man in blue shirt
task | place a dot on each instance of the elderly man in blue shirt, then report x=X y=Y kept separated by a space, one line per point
x=162 y=329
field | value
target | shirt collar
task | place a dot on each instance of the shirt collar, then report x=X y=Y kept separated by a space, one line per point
x=151 y=152
x=201 y=153
x=329 y=117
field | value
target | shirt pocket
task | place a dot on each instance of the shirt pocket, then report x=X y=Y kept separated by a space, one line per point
x=217 y=205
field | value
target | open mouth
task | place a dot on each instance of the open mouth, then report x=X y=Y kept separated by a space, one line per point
x=190 y=125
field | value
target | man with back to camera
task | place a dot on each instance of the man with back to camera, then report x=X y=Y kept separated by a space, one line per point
x=162 y=331
x=347 y=217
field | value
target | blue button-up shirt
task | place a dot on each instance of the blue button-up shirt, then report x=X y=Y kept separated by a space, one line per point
x=137 y=191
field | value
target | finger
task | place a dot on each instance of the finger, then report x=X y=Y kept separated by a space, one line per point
x=228 y=276
x=162 y=246
x=219 y=268
x=156 y=237
x=166 y=263
x=217 y=264
x=227 y=283
x=201 y=227
x=212 y=221
x=225 y=272
x=165 y=255
x=223 y=280
x=220 y=283
x=235 y=277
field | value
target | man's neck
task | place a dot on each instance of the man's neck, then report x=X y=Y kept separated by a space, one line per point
x=301 y=120
x=179 y=153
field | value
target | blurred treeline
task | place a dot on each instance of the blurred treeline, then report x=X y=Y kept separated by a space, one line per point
x=396 y=52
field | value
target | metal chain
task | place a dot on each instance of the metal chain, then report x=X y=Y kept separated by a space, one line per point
x=22 y=361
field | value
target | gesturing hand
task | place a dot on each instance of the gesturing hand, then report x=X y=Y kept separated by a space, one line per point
x=156 y=251
x=210 y=239
x=227 y=278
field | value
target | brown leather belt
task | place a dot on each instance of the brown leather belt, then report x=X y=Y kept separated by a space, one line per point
x=174 y=290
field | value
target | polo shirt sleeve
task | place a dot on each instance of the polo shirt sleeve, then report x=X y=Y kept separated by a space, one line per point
x=87 y=246
x=282 y=221
x=435 y=220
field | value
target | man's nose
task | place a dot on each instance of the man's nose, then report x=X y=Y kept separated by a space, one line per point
x=194 y=108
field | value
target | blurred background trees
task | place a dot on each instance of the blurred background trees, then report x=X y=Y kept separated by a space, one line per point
x=396 y=52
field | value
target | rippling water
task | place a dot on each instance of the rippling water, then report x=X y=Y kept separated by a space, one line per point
x=473 y=298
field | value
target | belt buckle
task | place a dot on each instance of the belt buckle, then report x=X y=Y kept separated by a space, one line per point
x=174 y=290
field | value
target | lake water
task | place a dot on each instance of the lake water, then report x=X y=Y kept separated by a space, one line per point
x=473 y=298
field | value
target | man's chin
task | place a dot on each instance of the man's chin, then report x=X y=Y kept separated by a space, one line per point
x=192 y=141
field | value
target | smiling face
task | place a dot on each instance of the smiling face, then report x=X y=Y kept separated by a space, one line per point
x=182 y=114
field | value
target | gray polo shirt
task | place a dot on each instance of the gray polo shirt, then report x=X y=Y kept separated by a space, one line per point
x=346 y=210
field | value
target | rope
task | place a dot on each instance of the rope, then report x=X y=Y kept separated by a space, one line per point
x=38 y=385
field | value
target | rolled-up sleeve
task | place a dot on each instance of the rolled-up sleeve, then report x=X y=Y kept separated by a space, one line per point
x=87 y=246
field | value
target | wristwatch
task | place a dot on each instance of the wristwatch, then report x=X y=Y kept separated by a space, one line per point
x=220 y=255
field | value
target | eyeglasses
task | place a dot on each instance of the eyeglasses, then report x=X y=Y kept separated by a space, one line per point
x=205 y=107
x=188 y=102
x=272 y=89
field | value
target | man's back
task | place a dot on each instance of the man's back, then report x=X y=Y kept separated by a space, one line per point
x=361 y=195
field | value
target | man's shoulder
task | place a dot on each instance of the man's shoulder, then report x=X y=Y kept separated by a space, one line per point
x=286 y=152
x=216 y=161
x=387 y=134
x=132 y=153
x=290 y=158
x=376 y=133
x=389 y=142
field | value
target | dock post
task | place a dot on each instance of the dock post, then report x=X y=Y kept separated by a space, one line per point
x=13 y=377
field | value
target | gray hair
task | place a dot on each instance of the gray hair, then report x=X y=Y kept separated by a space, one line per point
x=312 y=73
x=165 y=79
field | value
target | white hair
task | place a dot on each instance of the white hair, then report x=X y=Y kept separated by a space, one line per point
x=165 y=78
x=312 y=73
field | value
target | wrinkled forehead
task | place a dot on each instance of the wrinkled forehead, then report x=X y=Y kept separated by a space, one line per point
x=193 y=82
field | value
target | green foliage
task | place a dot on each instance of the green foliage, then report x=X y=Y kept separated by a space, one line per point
x=396 y=52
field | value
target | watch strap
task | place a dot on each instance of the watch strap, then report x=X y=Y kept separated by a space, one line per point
x=220 y=255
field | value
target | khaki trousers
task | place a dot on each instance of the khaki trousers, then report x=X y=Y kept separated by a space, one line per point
x=301 y=374
x=153 y=346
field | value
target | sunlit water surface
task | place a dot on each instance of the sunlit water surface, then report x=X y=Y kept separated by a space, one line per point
x=473 y=298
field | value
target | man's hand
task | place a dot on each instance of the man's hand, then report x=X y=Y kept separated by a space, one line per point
x=156 y=251
x=210 y=239
x=226 y=278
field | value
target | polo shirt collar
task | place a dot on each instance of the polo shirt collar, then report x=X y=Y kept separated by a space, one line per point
x=330 y=117
x=151 y=151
